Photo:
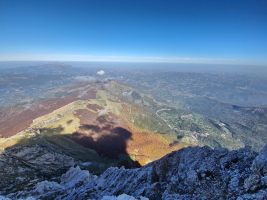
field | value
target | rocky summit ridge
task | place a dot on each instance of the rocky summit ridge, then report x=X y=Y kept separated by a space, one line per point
x=190 y=173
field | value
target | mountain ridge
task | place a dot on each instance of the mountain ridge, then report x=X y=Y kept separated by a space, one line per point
x=189 y=173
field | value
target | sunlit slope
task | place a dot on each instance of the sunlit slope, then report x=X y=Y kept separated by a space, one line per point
x=119 y=126
x=79 y=129
x=177 y=122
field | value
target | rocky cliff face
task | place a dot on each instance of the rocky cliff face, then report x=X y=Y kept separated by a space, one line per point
x=191 y=173
x=23 y=167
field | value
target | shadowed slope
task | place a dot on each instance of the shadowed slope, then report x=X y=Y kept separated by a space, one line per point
x=49 y=153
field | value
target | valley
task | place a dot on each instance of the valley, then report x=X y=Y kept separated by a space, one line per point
x=112 y=120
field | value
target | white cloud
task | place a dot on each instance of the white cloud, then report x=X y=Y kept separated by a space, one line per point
x=100 y=72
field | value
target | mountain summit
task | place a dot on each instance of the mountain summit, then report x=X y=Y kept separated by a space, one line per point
x=190 y=173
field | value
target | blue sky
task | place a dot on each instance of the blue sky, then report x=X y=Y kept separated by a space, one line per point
x=146 y=30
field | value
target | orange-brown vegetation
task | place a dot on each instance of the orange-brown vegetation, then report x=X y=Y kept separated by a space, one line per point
x=18 y=118
x=111 y=135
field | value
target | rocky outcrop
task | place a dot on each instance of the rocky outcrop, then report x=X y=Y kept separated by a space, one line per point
x=191 y=173
x=22 y=167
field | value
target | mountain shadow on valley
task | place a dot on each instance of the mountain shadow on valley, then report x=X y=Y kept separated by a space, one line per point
x=111 y=145
x=50 y=152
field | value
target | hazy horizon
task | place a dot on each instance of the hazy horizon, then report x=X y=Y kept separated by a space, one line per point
x=253 y=70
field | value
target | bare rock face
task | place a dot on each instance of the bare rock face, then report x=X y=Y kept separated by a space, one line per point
x=191 y=173
x=257 y=180
x=23 y=167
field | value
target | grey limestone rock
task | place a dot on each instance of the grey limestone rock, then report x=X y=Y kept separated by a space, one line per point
x=191 y=173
